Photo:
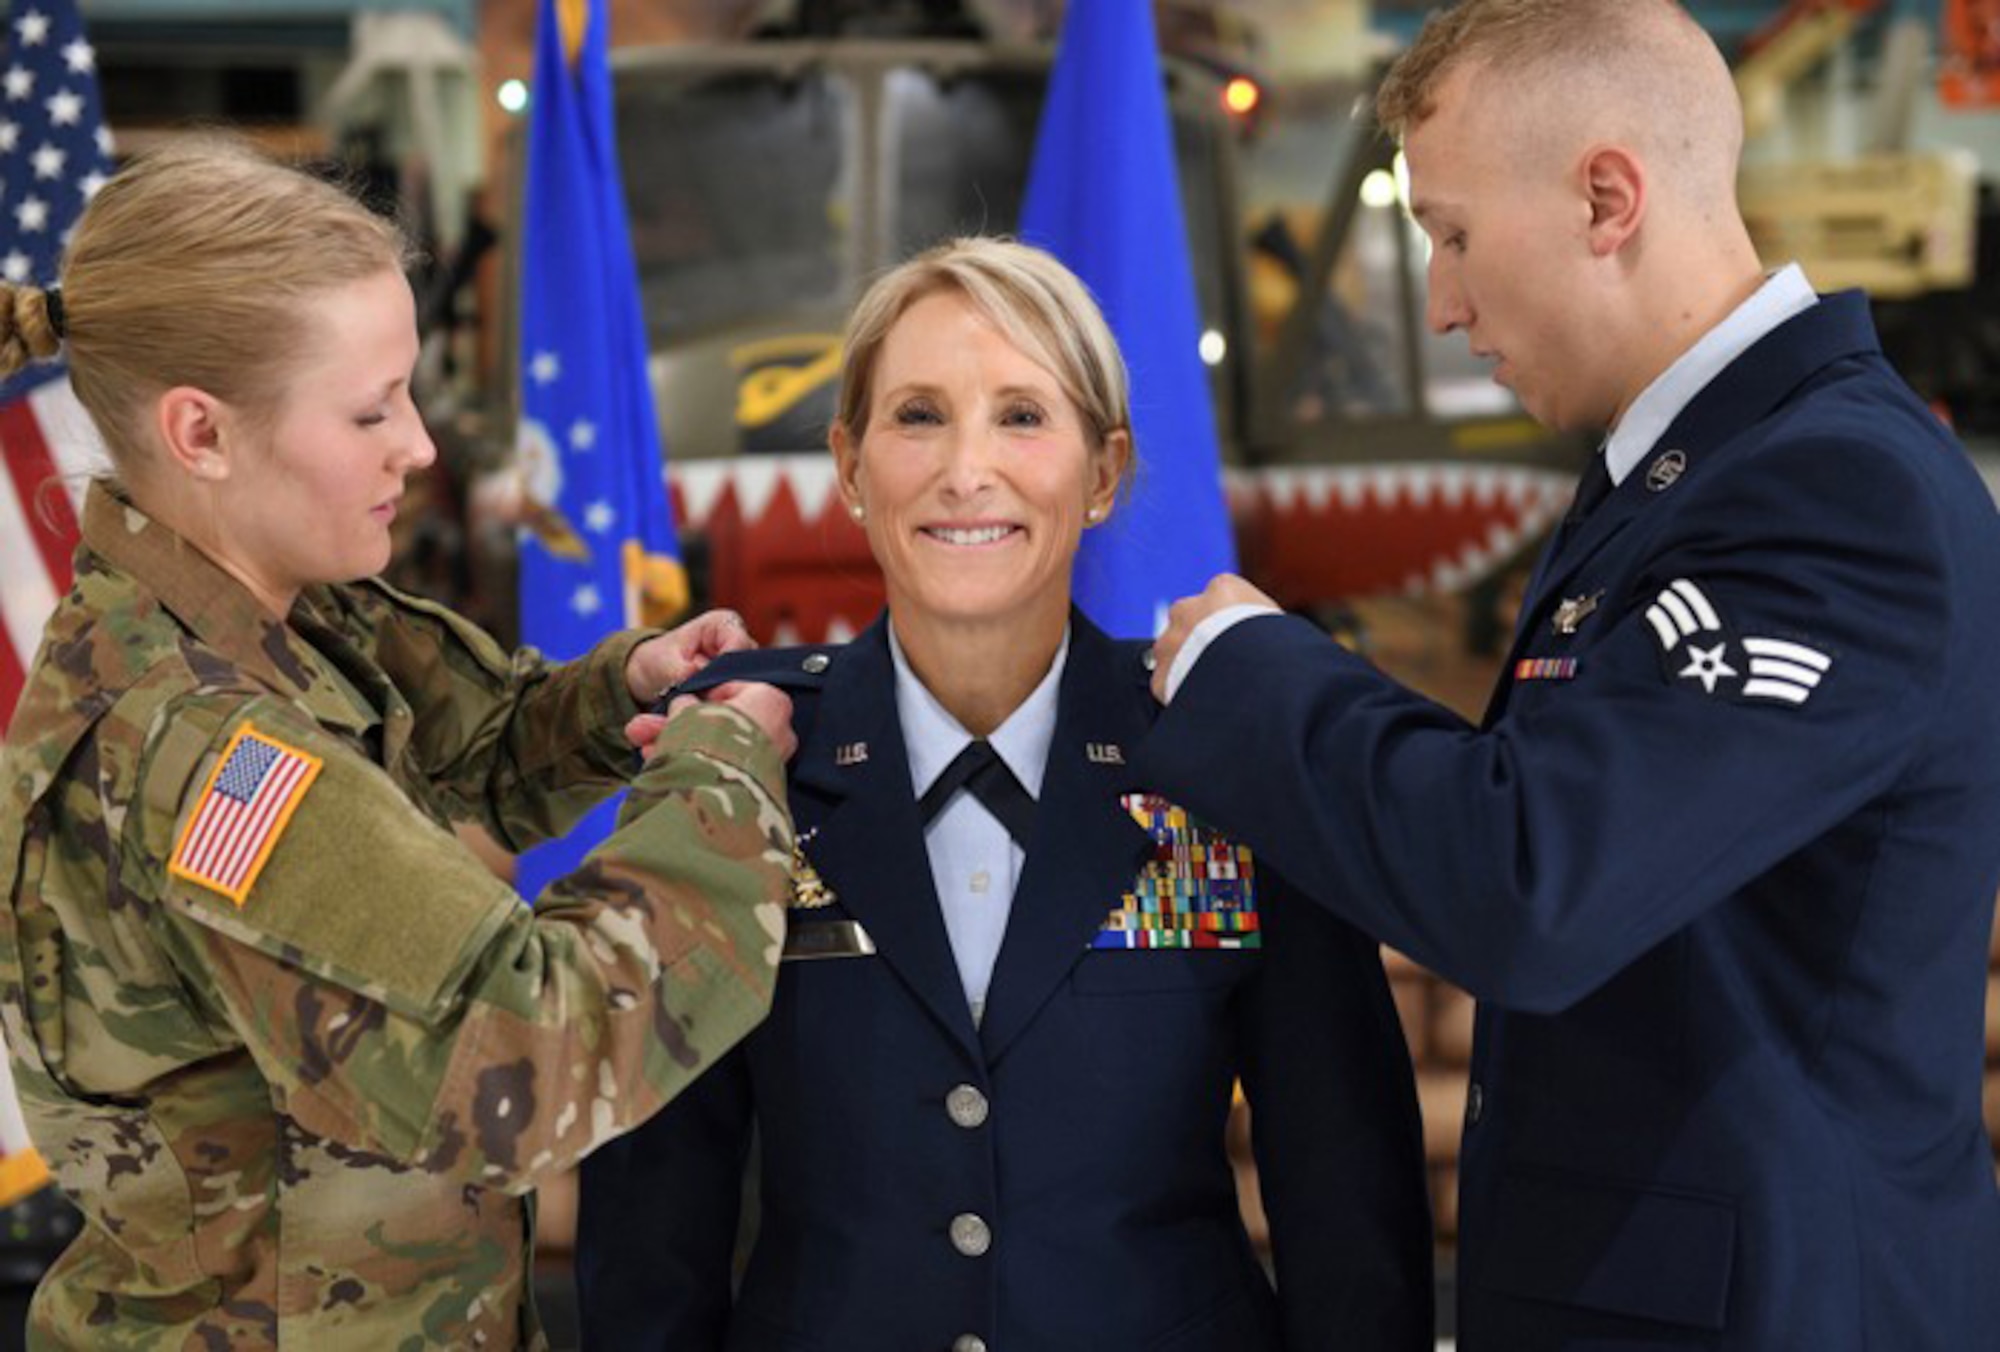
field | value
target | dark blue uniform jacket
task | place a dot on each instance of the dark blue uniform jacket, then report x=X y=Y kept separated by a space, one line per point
x=1719 y=862
x=1055 y=1179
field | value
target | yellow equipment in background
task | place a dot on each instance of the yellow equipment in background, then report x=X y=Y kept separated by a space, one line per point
x=1895 y=225
x=1894 y=222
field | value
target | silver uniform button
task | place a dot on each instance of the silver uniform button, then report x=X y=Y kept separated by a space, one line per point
x=967 y=1106
x=815 y=663
x=970 y=1235
x=1475 y=1104
x=968 y=1342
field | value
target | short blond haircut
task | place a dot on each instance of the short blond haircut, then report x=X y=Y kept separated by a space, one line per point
x=1040 y=305
x=1646 y=61
x=190 y=267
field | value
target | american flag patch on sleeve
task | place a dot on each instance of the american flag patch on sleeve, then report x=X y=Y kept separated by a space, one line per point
x=257 y=785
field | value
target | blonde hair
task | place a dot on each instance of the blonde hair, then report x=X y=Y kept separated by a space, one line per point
x=1643 y=67
x=189 y=267
x=1039 y=304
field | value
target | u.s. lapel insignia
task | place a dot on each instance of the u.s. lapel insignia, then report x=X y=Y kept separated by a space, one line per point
x=1666 y=471
x=809 y=890
x=850 y=753
x=1575 y=610
x=1104 y=753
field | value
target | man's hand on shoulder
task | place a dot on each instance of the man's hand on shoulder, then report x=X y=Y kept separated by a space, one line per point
x=1223 y=591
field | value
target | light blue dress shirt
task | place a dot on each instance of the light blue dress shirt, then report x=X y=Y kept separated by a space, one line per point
x=1784 y=293
x=974 y=862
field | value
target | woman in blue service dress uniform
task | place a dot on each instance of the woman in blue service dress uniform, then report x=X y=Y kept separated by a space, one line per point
x=988 y=1107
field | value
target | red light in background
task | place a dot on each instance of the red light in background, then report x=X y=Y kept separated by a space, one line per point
x=1241 y=96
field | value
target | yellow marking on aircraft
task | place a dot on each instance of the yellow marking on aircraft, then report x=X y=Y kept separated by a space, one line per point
x=778 y=372
x=656 y=587
x=1495 y=436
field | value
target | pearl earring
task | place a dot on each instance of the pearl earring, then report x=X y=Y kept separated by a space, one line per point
x=857 y=511
x=1091 y=514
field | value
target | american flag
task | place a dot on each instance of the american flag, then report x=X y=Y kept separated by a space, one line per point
x=251 y=796
x=54 y=154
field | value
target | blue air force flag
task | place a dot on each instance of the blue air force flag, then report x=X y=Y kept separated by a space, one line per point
x=1103 y=196
x=598 y=552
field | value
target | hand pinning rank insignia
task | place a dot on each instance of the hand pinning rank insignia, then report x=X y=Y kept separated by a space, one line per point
x=1695 y=647
x=1199 y=890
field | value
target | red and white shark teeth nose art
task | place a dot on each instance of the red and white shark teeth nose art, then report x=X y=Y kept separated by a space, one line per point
x=784 y=553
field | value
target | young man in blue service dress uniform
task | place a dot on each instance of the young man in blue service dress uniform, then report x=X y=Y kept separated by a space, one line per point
x=1720 y=859
x=988 y=1109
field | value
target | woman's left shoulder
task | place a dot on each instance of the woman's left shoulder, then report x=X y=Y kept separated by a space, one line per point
x=1131 y=667
x=797 y=671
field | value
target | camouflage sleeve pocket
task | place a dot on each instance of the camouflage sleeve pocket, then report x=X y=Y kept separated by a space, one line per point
x=348 y=880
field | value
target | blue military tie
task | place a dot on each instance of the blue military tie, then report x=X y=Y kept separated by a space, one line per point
x=1593 y=488
x=979 y=770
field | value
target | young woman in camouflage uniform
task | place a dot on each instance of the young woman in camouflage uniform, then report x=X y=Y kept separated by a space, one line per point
x=295 y=1053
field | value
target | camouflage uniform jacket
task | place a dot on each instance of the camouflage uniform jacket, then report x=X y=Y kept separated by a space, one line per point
x=309 y=1118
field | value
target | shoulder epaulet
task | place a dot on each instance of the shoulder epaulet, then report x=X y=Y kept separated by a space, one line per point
x=790 y=669
x=1135 y=659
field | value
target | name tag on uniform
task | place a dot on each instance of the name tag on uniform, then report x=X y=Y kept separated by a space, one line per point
x=810 y=940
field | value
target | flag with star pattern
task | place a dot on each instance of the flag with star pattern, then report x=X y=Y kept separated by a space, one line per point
x=54 y=153
x=1104 y=196
x=598 y=551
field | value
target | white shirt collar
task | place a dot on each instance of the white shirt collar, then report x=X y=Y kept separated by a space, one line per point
x=933 y=737
x=1784 y=293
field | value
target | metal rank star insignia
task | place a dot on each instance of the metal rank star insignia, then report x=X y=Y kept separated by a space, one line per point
x=1574 y=611
x=809 y=890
